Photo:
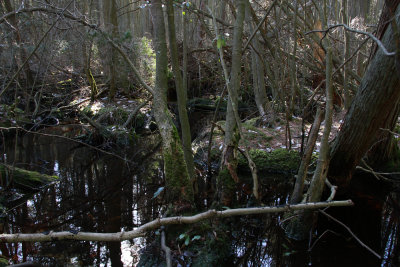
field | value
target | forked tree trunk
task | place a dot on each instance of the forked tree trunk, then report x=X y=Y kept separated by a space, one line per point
x=371 y=110
x=178 y=185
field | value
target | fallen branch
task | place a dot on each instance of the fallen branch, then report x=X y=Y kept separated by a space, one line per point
x=140 y=231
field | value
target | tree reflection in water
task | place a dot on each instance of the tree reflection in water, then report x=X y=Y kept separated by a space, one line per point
x=390 y=230
x=96 y=193
x=100 y=193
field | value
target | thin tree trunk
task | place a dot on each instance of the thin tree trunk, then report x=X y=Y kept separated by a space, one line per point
x=300 y=227
x=260 y=93
x=23 y=54
x=181 y=94
x=114 y=53
x=346 y=35
x=306 y=158
x=228 y=177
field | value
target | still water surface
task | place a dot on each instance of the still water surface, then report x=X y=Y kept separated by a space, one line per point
x=101 y=193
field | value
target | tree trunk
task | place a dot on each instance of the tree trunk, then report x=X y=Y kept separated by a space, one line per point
x=373 y=104
x=306 y=158
x=228 y=177
x=346 y=35
x=179 y=187
x=111 y=26
x=181 y=94
x=22 y=51
x=260 y=93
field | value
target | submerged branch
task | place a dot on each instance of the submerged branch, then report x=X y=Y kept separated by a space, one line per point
x=140 y=231
x=349 y=230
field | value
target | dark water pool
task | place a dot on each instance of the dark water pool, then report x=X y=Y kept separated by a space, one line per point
x=102 y=193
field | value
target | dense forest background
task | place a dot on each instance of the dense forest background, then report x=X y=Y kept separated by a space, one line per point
x=213 y=88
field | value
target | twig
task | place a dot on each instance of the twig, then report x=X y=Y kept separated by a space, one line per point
x=387 y=130
x=258 y=26
x=333 y=190
x=349 y=230
x=140 y=231
x=351 y=57
x=319 y=238
x=371 y=170
x=378 y=173
x=376 y=40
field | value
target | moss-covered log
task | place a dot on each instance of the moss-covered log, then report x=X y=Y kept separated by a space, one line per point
x=24 y=179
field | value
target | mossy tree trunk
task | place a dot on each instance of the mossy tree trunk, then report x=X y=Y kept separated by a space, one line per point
x=178 y=185
x=180 y=92
x=228 y=177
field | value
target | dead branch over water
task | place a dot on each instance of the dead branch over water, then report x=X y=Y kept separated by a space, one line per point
x=140 y=231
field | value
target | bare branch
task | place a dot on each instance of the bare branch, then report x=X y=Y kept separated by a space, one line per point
x=333 y=190
x=376 y=40
x=258 y=26
x=140 y=231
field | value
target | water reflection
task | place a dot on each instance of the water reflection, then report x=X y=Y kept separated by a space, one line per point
x=101 y=193
x=390 y=230
x=96 y=193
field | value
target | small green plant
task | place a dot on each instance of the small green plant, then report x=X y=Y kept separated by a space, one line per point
x=187 y=239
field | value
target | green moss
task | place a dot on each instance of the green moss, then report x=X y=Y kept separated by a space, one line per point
x=4 y=262
x=255 y=134
x=26 y=180
x=225 y=182
x=179 y=187
x=279 y=160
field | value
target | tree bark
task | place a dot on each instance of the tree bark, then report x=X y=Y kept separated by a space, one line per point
x=306 y=158
x=373 y=104
x=111 y=27
x=179 y=187
x=228 y=177
x=180 y=92
x=260 y=93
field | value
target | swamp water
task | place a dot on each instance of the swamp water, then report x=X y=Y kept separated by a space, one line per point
x=101 y=193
